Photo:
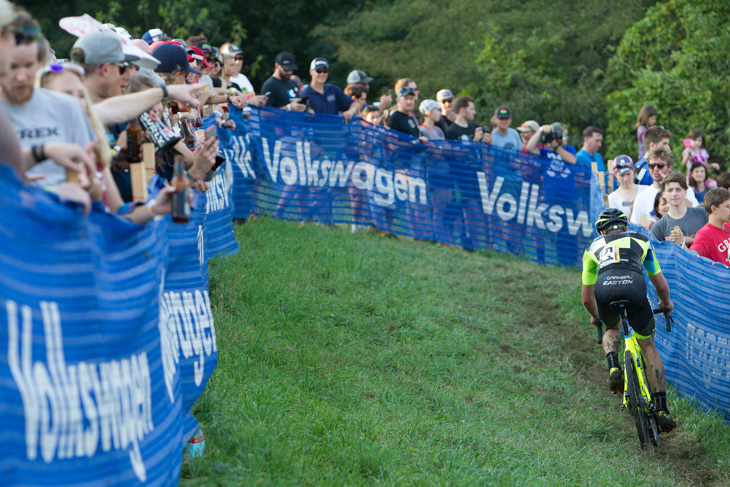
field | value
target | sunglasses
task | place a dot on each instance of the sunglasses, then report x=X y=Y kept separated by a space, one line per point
x=213 y=61
x=238 y=59
x=323 y=70
x=26 y=34
x=660 y=165
x=122 y=67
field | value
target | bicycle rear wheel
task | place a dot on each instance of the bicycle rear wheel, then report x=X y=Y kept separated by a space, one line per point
x=637 y=410
x=653 y=426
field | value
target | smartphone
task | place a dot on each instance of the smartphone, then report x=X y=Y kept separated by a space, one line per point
x=219 y=159
x=212 y=133
x=267 y=94
x=304 y=100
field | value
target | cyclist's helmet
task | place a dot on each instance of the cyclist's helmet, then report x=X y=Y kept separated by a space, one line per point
x=611 y=218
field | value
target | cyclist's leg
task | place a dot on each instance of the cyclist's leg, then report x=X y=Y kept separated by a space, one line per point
x=643 y=318
x=654 y=364
x=605 y=293
x=611 y=340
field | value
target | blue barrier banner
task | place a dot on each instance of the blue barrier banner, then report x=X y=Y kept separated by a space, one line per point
x=219 y=203
x=317 y=168
x=189 y=342
x=696 y=353
x=84 y=398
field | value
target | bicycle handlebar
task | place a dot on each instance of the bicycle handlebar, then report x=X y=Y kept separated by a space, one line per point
x=667 y=317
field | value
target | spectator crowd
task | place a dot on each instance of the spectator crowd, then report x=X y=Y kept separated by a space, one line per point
x=75 y=119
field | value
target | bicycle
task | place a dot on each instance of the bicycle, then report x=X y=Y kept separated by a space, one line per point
x=638 y=396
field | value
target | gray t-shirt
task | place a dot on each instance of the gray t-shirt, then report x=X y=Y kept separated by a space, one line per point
x=690 y=223
x=50 y=117
x=510 y=141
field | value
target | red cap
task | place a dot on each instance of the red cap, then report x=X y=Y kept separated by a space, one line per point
x=196 y=53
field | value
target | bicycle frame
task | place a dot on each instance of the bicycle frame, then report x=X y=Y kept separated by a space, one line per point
x=633 y=352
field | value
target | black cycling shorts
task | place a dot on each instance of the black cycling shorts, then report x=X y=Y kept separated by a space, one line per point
x=617 y=284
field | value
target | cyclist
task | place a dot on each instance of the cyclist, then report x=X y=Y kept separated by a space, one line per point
x=612 y=270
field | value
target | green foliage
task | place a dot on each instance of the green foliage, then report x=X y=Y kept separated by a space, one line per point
x=262 y=29
x=677 y=59
x=546 y=63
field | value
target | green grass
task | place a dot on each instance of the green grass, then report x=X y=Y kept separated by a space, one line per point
x=357 y=360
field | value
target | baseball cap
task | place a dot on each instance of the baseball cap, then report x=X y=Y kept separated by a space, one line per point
x=427 y=106
x=503 y=112
x=7 y=13
x=120 y=30
x=172 y=57
x=231 y=49
x=358 y=76
x=197 y=54
x=405 y=91
x=286 y=61
x=444 y=95
x=319 y=62
x=206 y=47
x=623 y=164
x=529 y=126
x=153 y=35
x=100 y=47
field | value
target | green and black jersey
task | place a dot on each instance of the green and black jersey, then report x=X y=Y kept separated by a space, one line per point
x=628 y=250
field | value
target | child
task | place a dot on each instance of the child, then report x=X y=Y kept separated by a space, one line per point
x=661 y=207
x=647 y=118
x=697 y=179
x=695 y=150
x=623 y=197
x=712 y=240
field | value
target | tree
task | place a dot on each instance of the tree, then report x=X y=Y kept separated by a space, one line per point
x=546 y=61
x=677 y=59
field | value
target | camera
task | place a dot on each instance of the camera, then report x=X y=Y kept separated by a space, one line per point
x=557 y=133
x=548 y=138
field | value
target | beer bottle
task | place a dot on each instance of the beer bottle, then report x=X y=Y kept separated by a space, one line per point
x=180 y=201
x=188 y=135
x=134 y=141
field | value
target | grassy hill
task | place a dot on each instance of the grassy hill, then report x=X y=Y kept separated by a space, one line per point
x=357 y=360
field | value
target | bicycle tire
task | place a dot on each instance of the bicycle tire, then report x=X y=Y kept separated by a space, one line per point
x=653 y=426
x=642 y=422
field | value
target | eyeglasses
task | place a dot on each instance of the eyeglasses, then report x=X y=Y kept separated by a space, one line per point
x=61 y=67
x=122 y=67
x=323 y=70
x=660 y=165
x=26 y=34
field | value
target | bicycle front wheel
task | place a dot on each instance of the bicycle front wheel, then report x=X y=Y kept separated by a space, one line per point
x=640 y=418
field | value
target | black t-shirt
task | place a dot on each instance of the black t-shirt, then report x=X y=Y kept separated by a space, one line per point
x=217 y=82
x=282 y=92
x=457 y=132
x=443 y=123
x=403 y=123
x=123 y=180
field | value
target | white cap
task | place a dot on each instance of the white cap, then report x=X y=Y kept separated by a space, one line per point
x=7 y=14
